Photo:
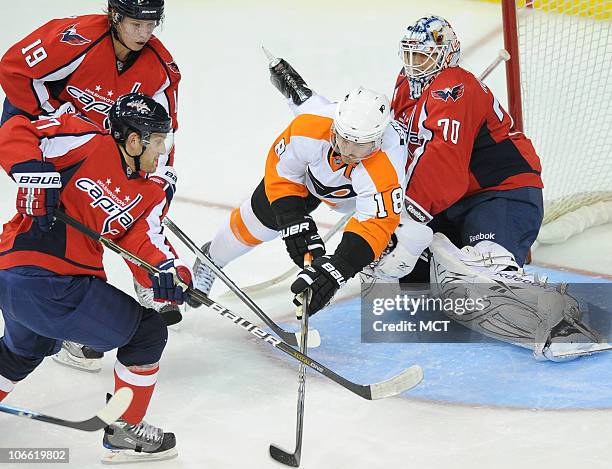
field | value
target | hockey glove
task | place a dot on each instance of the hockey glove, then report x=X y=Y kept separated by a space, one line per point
x=39 y=191
x=324 y=277
x=289 y=82
x=165 y=284
x=301 y=236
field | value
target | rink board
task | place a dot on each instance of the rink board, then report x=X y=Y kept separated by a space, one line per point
x=486 y=374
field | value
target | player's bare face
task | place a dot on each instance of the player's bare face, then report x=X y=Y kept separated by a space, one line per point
x=136 y=33
x=351 y=152
x=155 y=145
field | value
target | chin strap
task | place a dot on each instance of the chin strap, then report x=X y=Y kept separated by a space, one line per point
x=136 y=158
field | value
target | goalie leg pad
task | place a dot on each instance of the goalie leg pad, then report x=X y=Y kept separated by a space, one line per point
x=520 y=309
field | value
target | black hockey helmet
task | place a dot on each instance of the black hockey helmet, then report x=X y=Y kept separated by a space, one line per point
x=138 y=9
x=136 y=112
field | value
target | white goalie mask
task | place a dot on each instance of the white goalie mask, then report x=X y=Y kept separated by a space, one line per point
x=360 y=121
x=429 y=46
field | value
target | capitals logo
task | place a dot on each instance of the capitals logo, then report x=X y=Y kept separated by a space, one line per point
x=454 y=93
x=70 y=36
x=116 y=211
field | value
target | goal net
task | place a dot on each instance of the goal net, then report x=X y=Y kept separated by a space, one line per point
x=563 y=83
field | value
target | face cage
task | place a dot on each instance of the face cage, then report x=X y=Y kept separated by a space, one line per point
x=364 y=150
x=435 y=55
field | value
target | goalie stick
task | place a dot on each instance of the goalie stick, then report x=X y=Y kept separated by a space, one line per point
x=502 y=56
x=278 y=454
x=407 y=379
x=113 y=409
x=292 y=338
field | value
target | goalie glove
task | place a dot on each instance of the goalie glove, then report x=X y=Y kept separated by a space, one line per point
x=39 y=191
x=323 y=277
x=289 y=82
x=165 y=283
x=301 y=237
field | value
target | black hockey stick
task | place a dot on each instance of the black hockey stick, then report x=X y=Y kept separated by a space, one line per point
x=114 y=409
x=404 y=381
x=292 y=338
x=280 y=455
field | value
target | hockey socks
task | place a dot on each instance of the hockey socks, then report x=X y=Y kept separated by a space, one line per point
x=142 y=383
x=6 y=386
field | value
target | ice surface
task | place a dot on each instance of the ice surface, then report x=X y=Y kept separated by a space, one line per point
x=225 y=395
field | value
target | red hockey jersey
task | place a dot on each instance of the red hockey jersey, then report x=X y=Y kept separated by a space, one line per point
x=73 y=60
x=460 y=143
x=98 y=189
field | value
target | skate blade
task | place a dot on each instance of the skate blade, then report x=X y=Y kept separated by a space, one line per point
x=89 y=365
x=128 y=456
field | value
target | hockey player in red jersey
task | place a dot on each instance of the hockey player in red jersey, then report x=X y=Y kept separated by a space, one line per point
x=52 y=280
x=468 y=175
x=85 y=63
x=477 y=185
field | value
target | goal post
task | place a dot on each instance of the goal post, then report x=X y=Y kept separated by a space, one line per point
x=559 y=84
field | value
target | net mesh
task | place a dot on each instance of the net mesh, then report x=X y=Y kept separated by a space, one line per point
x=565 y=53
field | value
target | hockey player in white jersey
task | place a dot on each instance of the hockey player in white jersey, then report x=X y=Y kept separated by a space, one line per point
x=346 y=155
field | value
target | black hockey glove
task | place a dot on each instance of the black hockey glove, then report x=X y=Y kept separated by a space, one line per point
x=301 y=236
x=324 y=276
x=289 y=82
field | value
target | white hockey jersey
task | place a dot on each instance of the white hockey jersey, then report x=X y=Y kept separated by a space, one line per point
x=302 y=161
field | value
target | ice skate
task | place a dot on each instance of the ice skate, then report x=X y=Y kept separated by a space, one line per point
x=137 y=443
x=203 y=278
x=79 y=356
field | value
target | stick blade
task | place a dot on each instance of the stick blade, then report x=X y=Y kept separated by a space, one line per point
x=288 y=459
x=116 y=406
x=406 y=380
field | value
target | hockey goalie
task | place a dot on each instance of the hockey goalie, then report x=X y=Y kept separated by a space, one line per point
x=476 y=184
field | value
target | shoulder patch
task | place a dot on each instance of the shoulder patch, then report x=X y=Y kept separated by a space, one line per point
x=173 y=67
x=72 y=37
x=454 y=93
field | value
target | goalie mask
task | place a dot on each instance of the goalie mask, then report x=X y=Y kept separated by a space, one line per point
x=360 y=121
x=428 y=47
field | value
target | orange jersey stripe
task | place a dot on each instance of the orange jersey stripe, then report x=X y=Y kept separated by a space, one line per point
x=240 y=230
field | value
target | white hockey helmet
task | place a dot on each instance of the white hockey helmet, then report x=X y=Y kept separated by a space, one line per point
x=361 y=119
x=429 y=46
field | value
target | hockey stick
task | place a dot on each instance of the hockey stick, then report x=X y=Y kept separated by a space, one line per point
x=502 y=56
x=404 y=381
x=282 y=456
x=293 y=270
x=113 y=409
x=292 y=338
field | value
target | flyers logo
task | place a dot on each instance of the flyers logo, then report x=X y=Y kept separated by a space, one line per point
x=70 y=36
x=454 y=93
x=341 y=192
